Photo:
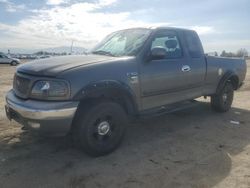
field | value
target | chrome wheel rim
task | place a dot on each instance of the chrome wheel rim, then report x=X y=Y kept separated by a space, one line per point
x=103 y=128
x=224 y=97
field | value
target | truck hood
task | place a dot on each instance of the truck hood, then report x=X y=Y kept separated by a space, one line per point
x=56 y=65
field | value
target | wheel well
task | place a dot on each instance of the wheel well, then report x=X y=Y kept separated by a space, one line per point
x=114 y=95
x=229 y=77
x=235 y=81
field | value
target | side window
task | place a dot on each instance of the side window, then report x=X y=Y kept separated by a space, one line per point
x=170 y=43
x=193 y=44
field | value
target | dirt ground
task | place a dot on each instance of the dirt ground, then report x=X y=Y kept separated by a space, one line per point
x=193 y=148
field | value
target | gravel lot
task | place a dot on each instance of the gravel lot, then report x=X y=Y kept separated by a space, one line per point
x=193 y=148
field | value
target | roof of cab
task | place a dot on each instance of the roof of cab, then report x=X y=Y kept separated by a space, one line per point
x=170 y=28
x=160 y=27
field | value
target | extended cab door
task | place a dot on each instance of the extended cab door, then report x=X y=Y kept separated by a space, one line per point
x=168 y=80
x=196 y=63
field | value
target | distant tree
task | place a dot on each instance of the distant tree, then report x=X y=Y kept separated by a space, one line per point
x=223 y=53
x=227 y=54
x=242 y=53
x=230 y=54
x=39 y=53
x=215 y=54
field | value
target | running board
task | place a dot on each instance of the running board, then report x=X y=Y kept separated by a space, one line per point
x=166 y=109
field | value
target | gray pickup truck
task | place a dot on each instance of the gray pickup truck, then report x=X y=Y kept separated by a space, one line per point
x=131 y=73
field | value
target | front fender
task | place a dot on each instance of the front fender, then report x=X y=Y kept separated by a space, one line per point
x=108 y=88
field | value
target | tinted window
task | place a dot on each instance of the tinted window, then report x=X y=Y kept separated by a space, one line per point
x=193 y=44
x=170 y=43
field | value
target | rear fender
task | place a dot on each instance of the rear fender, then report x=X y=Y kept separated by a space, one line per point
x=228 y=76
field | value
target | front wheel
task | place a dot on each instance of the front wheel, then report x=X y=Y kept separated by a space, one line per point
x=13 y=63
x=222 y=101
x=99 y=128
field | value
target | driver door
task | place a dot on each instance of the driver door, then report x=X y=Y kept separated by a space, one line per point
x=162 y=80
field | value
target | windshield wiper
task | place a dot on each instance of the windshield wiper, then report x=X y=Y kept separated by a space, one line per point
x=102 y=52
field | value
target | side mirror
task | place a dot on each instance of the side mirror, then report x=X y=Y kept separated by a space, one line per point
x=158 y=53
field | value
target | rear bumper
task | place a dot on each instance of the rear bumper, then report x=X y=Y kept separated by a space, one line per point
x=52 y=118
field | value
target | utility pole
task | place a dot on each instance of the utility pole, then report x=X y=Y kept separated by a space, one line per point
x=71 y=48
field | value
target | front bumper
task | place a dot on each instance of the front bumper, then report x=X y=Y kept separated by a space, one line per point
x=53 y=118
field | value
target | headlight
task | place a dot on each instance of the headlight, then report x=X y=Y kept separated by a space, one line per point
x=50 y=90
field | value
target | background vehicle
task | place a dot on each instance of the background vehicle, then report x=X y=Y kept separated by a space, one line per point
x=131 y=73
x=8 y=60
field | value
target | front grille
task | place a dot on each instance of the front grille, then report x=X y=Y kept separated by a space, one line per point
x=21 y=86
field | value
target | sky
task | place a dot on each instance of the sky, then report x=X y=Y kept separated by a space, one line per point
x=39 y=24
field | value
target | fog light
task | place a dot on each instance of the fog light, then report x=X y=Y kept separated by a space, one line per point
x=34 y=125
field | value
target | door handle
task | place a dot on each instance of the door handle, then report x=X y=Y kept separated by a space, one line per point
x=185 y=68
x=133 y=77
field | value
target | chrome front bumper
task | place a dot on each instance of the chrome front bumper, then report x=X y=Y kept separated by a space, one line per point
x=46 y=116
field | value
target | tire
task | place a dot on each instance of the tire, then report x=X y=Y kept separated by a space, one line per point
x=99 y=128
x=222 y=101
x=13 y=63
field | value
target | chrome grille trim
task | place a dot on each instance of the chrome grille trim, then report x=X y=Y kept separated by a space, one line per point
x=22 y=85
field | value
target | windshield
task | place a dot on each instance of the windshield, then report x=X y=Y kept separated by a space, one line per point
x=122 y=43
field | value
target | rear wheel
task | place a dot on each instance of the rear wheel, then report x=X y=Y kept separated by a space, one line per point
x=99 y=128
x=222 y=101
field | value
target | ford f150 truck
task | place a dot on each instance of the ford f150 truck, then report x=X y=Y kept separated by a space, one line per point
x=131 y=73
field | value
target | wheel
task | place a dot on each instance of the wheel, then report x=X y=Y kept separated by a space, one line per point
x=99 y=128
x=222 y=101
x=13 y=63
